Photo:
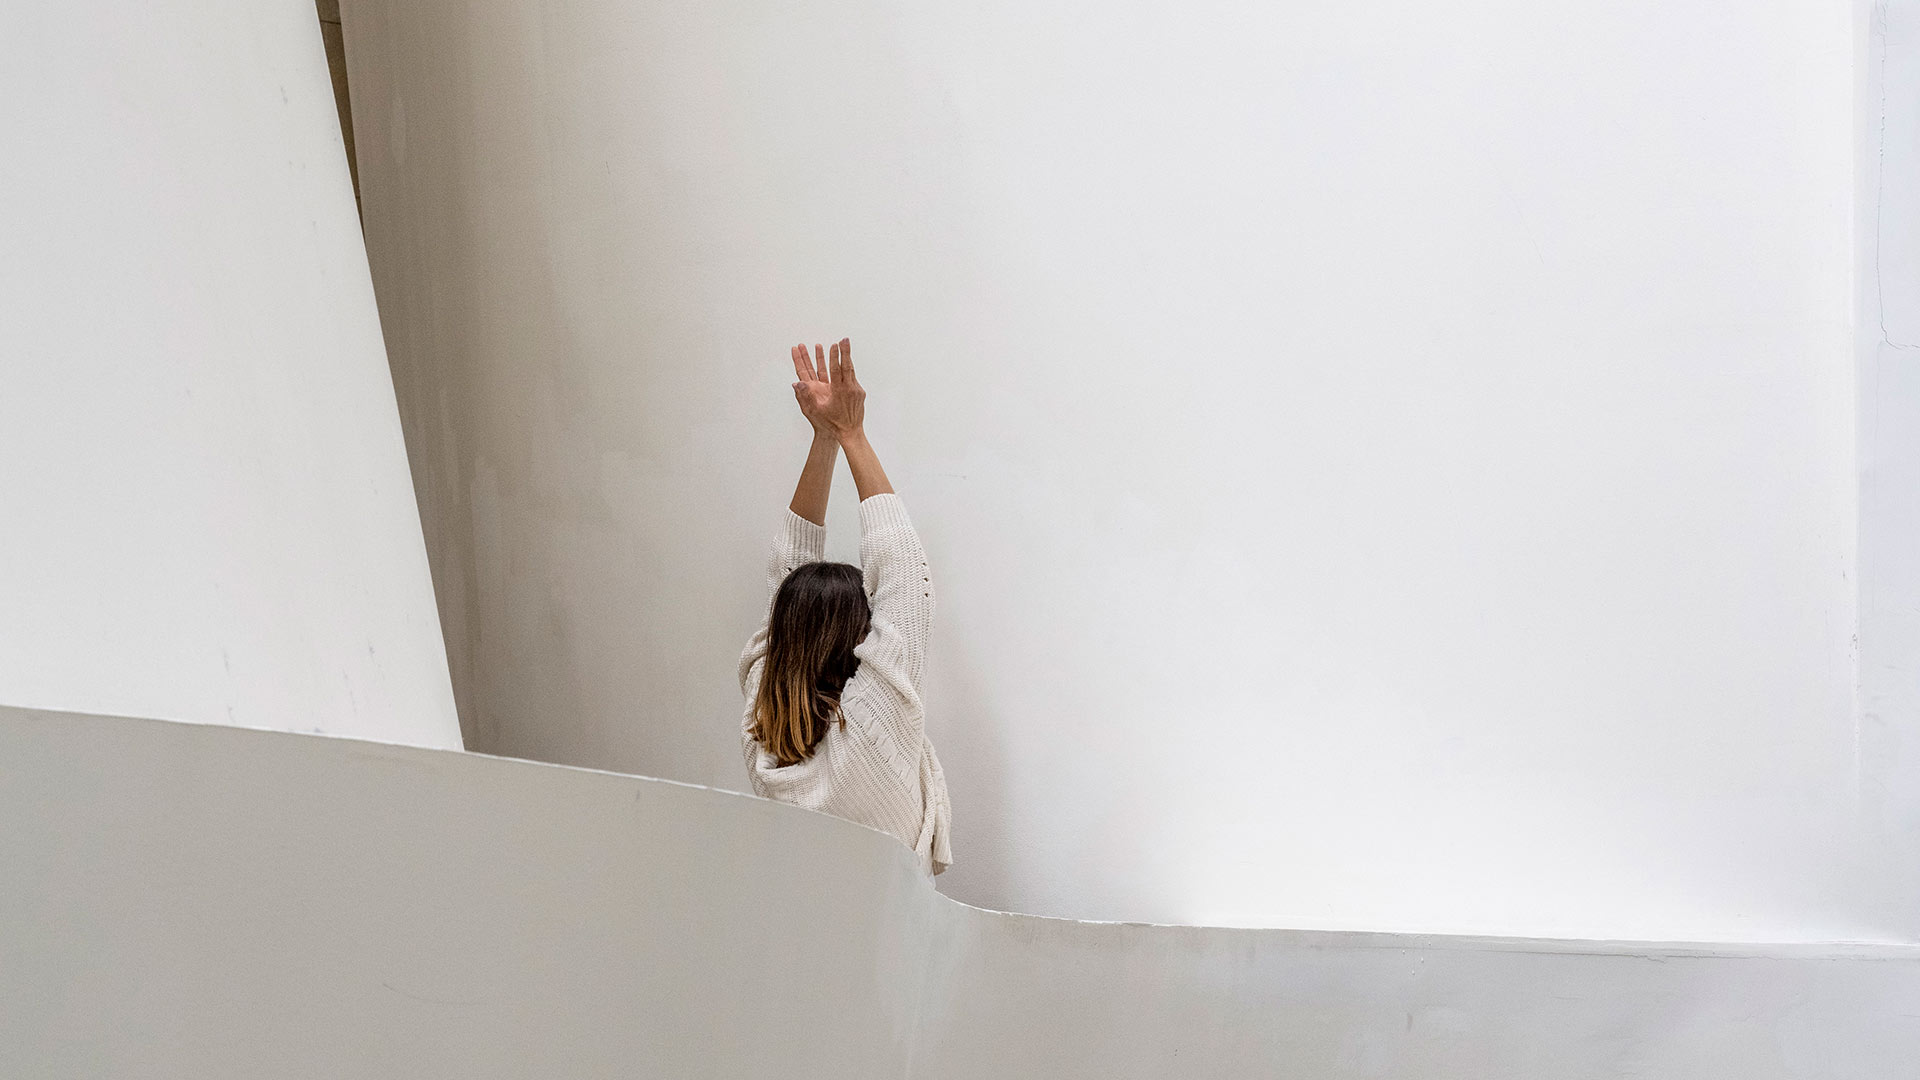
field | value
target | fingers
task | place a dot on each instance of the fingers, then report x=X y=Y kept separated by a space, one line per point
x=824 y=366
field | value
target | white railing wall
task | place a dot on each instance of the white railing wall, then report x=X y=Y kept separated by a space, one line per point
x=212 y=903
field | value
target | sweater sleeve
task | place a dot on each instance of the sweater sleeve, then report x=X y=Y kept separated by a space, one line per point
x=797 y=542
x=893 y=655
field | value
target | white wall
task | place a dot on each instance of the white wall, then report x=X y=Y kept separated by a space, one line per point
x=1386 y=466
x=205 y=511
x=1888 y=351
x=192 y=901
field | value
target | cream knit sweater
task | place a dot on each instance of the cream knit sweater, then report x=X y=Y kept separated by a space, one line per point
x=880 y=770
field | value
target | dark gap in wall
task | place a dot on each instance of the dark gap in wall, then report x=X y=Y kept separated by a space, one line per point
x=336 y=43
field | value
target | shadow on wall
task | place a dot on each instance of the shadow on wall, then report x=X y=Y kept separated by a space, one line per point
x=332 y=38
x=981 y=792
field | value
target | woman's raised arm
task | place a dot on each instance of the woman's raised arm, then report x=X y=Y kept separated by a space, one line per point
x=816 y=478
x=802 y=536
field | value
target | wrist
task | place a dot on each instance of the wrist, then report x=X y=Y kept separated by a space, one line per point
x=851 y=436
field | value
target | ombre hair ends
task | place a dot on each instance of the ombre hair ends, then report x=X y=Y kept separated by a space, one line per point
x=819 y=614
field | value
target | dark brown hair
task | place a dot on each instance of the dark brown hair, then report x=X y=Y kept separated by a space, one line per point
x=819 y=614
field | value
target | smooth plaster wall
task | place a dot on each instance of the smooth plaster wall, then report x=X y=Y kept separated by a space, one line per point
x=205 y=509
x=1888 y=351
x=1387 y=466
x=205 y=902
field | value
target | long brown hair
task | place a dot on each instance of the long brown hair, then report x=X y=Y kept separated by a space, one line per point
x=819 y=614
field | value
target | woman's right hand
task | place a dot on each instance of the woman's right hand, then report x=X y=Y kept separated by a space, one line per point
x=830 y=397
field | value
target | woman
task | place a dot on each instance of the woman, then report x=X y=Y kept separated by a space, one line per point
x=832 y=679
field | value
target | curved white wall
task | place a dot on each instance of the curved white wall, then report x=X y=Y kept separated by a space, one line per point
x=205 y=511
x=191 y=901
x=1388 y=466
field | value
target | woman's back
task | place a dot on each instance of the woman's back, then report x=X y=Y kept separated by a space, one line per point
x=873 y=763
